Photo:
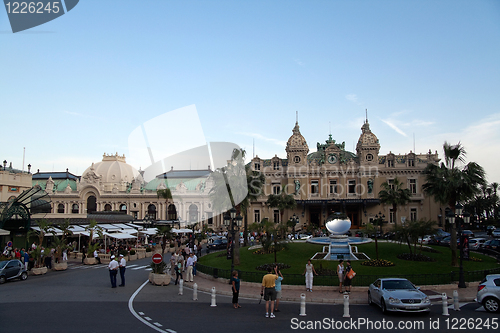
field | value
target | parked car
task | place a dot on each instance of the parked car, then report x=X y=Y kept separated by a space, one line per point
x=496 y=233
x=468 y=233
x=398 y=294
x=389 y=235
x=12 y=269
x=358 y=234
x=425 y=240
x=304 y=236
x=488 y=293
x=217 y=244
x=493 y=244
x=446 y=241
x=475 y=243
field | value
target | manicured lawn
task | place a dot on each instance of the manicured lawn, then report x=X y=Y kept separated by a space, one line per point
x=297 y=255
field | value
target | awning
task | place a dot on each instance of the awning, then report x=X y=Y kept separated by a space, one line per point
x=56 y=231
x=109 y=227
x=77 y=230
x=181 y=231
x=121 y=235
x=123 y=226
x=4 y=232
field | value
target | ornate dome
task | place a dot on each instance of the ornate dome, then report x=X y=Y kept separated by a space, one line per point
x=297 y=140
x=112 y=170
x=367 y=137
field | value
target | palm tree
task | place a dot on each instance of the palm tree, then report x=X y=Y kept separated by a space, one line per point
x=449 y=183
x=282 y=201
x=45 y=227
x=165 y=232
x=394 y=194
x=92 y=229
x=165 y=194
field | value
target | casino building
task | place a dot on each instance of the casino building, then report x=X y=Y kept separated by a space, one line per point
x=332 y=179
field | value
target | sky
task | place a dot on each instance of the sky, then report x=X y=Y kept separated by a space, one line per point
x=78 y=86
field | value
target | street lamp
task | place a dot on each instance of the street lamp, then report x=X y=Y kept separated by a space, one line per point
x=379 y=220
x=458 y=212
x=4 y=164
x=295 y=219
x=232 y=221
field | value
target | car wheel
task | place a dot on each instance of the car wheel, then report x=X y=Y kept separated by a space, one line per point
x=491 y=304
x=383 y=306
x=370 y=301
x=24 y=276
x=2 y=279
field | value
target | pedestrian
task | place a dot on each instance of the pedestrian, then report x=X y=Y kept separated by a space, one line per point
x=65 y=255
x=278 y=289
x=123 y=266
x=189 y=268
x=195 y=258
x=26 y=260
x=96 y=257
x=178 y=269
x=347 y=281
x=173 y=262
x=235 y=282
x=113 y=271
x=340 y=274
x=308 y=272
x=268 y=290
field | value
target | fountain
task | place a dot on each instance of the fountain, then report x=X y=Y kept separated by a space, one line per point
x=339 y=244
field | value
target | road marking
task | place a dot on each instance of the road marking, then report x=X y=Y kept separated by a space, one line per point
x=148 y=319
x=481 y=309
x=140 y=267
x=170 y=331
x=141 y=313
x=129 y=266
x=148 y=269
x=131 y=308
x=157 y=324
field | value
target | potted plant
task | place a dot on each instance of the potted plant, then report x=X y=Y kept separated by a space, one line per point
x=132 y=255
x=59 y=246
x=92 y=229
x=44 y=227
x=149 y=254
x=158 y=276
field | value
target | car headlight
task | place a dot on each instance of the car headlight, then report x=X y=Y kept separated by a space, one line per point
x=393 y=300
x=426 y=300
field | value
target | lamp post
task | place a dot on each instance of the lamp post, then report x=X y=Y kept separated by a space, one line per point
x=379 y=220
x=4 y=164
x=232 y=221
x=295 y=219
x=457 y=218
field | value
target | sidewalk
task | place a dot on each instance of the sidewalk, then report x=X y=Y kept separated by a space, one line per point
x=325 y=294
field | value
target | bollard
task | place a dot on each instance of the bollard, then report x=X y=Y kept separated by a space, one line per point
x=213 y=297
x=181 y=283
x=346 y=306
x=444 y=298
x=195 y=292
x=456 y=305
x=302 y=305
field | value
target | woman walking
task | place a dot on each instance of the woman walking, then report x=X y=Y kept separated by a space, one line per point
x=235 y=282
x=347 y=281
x=308 y=272
x=340 y=274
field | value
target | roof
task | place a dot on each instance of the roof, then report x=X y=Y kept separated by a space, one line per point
x=190 y=183
x=54 y=175
x=185 y=174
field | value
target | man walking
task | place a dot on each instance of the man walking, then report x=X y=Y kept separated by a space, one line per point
x=189 y=268
x=113 y=270
x=268 y=290
x=278 y=289
x=123 y=265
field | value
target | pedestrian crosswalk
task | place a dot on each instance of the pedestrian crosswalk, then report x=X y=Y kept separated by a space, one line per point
x=132 y=267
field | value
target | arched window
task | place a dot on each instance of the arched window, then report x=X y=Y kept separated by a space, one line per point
x=74 y=209
x=91 y=204
x=152 y=212
x=171 y=212
x=193 y=213
x=107 y=207
x=123 y=208
x=60 y=208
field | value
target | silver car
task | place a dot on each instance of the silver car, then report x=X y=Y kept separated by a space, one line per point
x=397 y=294
x=488 y=293
x=12 y=269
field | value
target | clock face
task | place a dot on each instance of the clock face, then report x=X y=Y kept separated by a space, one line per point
x=369 y=157
x=332 y=158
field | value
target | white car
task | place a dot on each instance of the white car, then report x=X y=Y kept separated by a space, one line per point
x=476 y=243
x=304 y=236
x=496 y=233
x=425 y=240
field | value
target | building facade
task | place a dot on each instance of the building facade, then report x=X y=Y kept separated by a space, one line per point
x=332 y=179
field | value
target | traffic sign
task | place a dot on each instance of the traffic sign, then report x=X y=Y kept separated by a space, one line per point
x=9 y=244
x=157 y=258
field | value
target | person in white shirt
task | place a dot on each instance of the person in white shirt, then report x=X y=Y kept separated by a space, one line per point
x=123 y=265
x=96 y=256
x=113 y=270
x=189 y=267
x=195 y=258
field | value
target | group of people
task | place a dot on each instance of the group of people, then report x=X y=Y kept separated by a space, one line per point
x=114 y=266
x=183 y=261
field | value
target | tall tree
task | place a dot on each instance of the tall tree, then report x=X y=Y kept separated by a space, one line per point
x=165 y=194
x=394 y=194
x=93 y=228
x=453 y=181
x=165 y=232
x=282 y=201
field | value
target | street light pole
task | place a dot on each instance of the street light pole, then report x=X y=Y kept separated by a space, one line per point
x=232 y=221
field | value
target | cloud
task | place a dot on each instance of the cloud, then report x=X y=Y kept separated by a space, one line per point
x=73 y=113
x=261 y=137
x=298 y=62
x=352 y=98
x=391 y=124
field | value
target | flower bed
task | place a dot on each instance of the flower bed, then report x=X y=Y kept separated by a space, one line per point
x=378 y=263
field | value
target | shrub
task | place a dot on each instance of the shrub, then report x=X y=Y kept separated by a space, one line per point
x=266 y=266
x=415 y=257
x=132 y=252
x=148 y=249
x=158 y=268
x=378 y=263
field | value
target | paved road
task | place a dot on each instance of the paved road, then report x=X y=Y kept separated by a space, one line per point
x=80 y=299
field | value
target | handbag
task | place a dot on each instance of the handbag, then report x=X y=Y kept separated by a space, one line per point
x=351 y=274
